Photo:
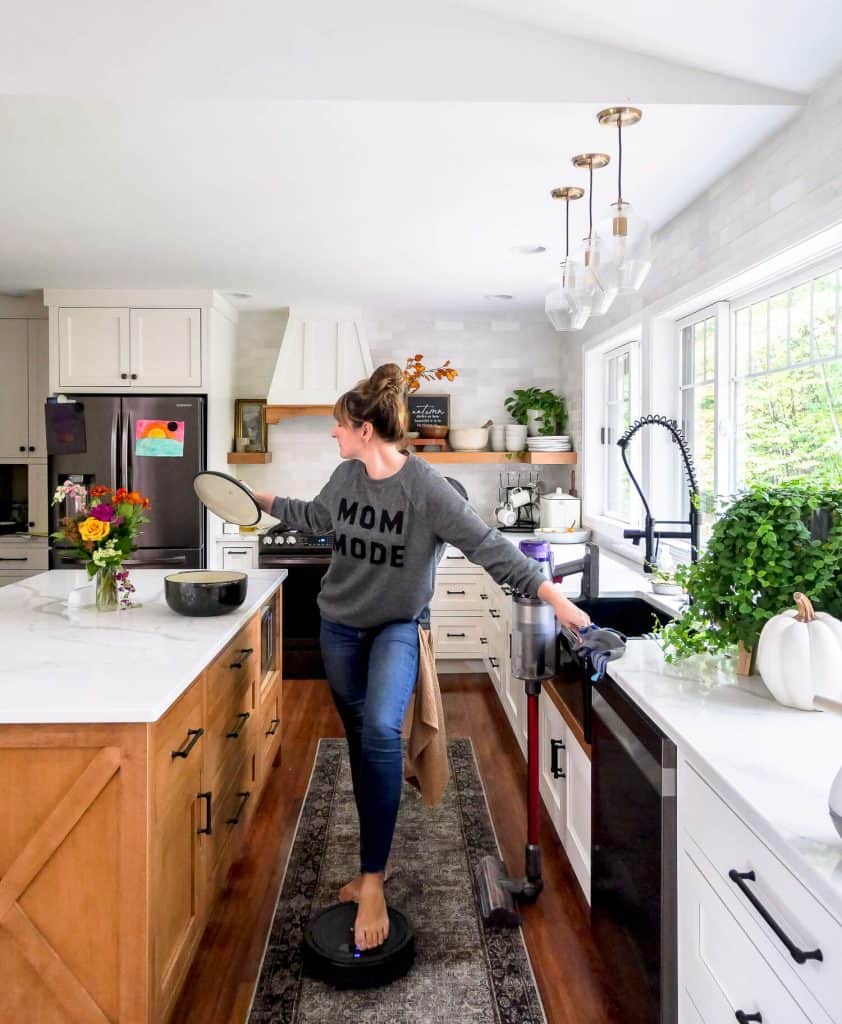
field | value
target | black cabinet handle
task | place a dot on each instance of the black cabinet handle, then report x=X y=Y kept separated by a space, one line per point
x=483 y=639
x=4 y=558
x=235 y=734
x=494 y=662
x=207 y=797
x=273 y=727
x=456 y=636
x=458 y=558
x=193 y=736
x=133 y=376
x=235 y=820
x=456 y=592
x=483 y=597
x=800 y=956
x=744 y=1018
x=245 y=654
x=555 y=747
x=124 y=376
x=21 y=447
x=32 y=447
x=493 y=613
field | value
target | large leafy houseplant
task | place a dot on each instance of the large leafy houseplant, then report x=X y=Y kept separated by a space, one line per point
x=551 y=405
x=764 y=546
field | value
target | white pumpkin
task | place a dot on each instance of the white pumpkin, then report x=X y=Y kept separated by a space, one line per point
x=799 y=655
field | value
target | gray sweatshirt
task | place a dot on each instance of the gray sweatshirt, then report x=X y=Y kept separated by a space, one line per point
x=388 y=538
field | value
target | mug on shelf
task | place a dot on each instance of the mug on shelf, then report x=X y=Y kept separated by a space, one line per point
x=519 y=496
x=505 y=514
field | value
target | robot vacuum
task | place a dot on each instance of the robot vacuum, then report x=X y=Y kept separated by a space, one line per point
x=330 y=954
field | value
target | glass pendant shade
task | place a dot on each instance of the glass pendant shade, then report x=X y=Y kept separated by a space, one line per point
x=566 y=307
x=626 y=246
x=599 y=278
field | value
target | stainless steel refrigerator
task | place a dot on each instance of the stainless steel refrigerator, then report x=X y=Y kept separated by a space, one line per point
x=123 y=446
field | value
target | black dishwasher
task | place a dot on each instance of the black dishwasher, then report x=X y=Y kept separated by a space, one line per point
x=633 y=856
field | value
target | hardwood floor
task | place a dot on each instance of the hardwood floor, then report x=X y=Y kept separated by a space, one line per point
x=567 y=965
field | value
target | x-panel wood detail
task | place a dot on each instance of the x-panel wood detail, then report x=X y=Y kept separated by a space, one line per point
x=69 y=992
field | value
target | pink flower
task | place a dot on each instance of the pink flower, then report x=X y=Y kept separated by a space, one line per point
x=104 y=513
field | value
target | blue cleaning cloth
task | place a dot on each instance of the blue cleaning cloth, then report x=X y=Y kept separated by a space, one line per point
x=600 y=646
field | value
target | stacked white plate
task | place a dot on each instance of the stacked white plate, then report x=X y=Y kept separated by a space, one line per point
x=549 y=443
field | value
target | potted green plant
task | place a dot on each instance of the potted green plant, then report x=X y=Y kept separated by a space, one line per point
x=544 y=412
x=763 y=547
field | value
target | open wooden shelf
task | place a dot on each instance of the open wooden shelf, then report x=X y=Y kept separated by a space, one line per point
x=250 y=458
x=531 y=458
x=276 y=413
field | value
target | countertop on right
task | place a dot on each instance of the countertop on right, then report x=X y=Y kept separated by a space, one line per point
x=773 y=764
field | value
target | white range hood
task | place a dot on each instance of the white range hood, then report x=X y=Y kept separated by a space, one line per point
x=323 y=353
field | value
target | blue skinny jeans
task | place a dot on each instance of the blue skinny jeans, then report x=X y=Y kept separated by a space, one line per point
x=372 y=673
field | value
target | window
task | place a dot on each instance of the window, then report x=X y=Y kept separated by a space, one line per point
x=788 y=384
x=618 y=415
x=699 y=341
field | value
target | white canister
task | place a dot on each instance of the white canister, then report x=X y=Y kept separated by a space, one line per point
x=498 y=438
x=560 y=511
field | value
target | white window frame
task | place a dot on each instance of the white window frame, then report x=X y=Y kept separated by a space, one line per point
x=607 y=437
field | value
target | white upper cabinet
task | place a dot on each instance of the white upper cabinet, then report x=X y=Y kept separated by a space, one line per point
x=14 y=390
x=166 y=348
x=117 y=348
x=24 y=385
x=93 y=348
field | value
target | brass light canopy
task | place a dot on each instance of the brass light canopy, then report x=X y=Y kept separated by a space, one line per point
x=594 y=161
x=568 y=192
x=619 y=116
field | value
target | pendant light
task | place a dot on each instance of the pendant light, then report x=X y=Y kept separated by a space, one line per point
x=599 y=279
x=625 y=238
x=567 y=307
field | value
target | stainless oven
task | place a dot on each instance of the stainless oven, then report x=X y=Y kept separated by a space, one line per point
x=306 y=558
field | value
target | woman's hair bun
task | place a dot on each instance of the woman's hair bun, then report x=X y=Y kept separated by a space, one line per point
x=388 y=377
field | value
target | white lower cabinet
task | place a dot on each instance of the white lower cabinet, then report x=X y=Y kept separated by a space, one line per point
x=577 y=835
x=240 y=557
x=553 y=769
x=731 y=958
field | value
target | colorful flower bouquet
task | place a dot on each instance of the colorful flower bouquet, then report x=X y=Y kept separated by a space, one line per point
x=102 y=526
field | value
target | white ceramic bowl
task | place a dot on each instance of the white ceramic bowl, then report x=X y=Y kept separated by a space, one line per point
x=468 y=439
x=660 y=587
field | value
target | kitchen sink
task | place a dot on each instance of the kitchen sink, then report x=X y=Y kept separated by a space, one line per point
x=631 y=616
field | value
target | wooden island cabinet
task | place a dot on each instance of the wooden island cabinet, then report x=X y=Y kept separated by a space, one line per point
x=116 y=840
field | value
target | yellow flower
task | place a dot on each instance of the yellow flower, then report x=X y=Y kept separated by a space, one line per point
x=93 y=529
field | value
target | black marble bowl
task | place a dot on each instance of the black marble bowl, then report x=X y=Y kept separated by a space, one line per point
x=201 y=592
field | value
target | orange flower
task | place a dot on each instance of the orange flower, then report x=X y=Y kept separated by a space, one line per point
x=137 y=499
x=99 y=491
x=121 y=494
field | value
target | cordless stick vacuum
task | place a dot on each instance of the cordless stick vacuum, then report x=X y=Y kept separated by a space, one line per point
x=534 y=651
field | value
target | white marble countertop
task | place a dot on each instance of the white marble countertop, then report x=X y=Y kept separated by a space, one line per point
x=774 y=765
x=74 y=664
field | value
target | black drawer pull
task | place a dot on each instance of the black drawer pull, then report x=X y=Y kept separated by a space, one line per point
x=14 y=559
x=462 y=592
x=245 y=654
x=456 y=636
x=483 y=597
x=459 y=558
x=21 y=447
x=800 y=956
x=244 y=799
x=207 y=797
x=133 y=376
x=483 y=639
x=555 y=747
x=124 y=376
x=493 y=613
x=744 y=1018
x=273 y=727
x=237 y=731
x=494 y=662
x=193 y=736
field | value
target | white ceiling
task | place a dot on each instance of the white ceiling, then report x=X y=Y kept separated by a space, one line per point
x=387 y=153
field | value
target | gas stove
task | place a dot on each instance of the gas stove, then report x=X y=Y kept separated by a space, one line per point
x=282 y=544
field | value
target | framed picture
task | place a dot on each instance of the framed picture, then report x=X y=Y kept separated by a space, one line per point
x=428 y=411
x=250 y=422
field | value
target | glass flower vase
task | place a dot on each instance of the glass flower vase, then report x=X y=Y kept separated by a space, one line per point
x=106 y=590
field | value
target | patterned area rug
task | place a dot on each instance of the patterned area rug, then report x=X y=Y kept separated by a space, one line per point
x=462 y=970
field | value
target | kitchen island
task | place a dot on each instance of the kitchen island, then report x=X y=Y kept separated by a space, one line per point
x=134 y=746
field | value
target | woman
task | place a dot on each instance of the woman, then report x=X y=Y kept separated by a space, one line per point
x=390 y=514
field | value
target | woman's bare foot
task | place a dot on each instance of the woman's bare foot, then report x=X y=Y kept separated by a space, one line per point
x=371 y=927
x=350 y=892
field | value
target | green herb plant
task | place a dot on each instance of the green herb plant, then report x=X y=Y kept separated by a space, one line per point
x=552 y=405
x=761 y=551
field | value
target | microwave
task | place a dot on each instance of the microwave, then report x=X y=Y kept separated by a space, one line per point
x=268 y=661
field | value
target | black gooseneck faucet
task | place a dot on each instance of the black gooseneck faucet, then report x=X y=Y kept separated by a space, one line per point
x=651 y=530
